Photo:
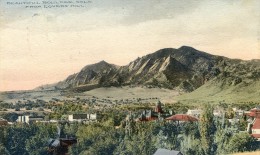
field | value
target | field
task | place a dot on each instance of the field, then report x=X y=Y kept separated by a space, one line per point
x=108 y=94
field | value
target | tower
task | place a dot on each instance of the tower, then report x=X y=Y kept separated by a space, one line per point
x=158 y=107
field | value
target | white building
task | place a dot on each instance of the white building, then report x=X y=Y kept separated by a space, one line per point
x=194 y=112
x=82 y=117
x=28 y=119
x=217 y=113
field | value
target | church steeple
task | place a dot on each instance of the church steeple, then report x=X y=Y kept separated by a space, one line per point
x=158 y=107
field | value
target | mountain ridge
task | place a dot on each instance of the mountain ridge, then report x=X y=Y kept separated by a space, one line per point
x=185 y=69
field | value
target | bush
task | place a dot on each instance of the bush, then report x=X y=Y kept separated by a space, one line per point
x=241 y=142
x=28 y=108
x=40 y=109
x=17 y=109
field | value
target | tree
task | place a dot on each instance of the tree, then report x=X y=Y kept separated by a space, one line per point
x=230 y=113
x=16 y=136
x=207 y=129
x=222 y=137
x=191 y=145
x=37 y=143
x=10 y=117
x=241 y=142
x=168 y=137
x=3 y=150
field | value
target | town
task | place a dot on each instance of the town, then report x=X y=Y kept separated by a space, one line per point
x=127 y=116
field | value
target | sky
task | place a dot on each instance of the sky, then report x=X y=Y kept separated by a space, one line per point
x=44 y=45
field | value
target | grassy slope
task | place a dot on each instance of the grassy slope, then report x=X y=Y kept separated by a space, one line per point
x=213 y=92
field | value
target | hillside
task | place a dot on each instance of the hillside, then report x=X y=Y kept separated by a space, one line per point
x=238 y=81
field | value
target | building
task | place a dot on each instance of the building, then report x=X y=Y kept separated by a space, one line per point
x=147 y=115
x=194 y=112
x=238 y=112
x=60 y=145
x=182 y=118
x=218 y=113
x=167 y=152
x=28 y=119
x=158 y=107
x=82 y=117
x=150 y=115
x=254 y=126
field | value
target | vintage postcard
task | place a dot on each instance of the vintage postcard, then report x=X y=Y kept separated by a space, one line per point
x=129 y=77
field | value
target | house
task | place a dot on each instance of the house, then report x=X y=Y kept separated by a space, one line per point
x=182 y=118
x=194 y=112
x=254 y=126
x=217 y=113
x=82 y=117
x=238 y=112
x=167 y=152
x=28 y=119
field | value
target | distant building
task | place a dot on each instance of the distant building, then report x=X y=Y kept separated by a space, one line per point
x=167 y=152
x=28 y=119
x=150 y=115
x=217 y=113
x=194 y=112
x=158 y=107
x=182 y=118
x=233 y=120
x=53 y=121
x=238 y=112
x=82 y=117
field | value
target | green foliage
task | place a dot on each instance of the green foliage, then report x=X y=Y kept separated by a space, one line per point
x=37 y=144
x=70 y=129
x=66 y=108
x=191 y=145
x=179 y=108
x=190 y=139
x=16 y=136
x=230 y=113
x=241 y=142
x=221 y=140
x=3 y=150
x=97 y=138
x=242 y=124
x=24 y=139
x=142 y=142
x=105 y=144
x=207 y=129
x=115 y=135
